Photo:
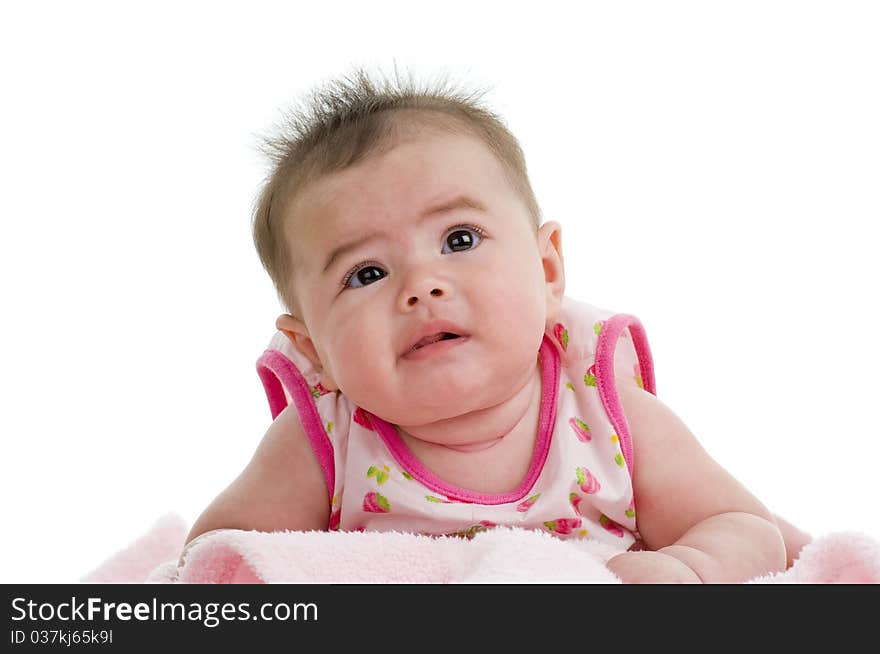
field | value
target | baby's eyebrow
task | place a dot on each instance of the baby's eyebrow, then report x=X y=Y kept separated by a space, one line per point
x=458 y=202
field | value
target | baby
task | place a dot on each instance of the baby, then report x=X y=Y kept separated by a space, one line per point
x=431 y=376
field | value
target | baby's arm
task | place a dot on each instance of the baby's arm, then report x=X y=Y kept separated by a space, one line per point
x=794 y=538
x=699 y=524
x=281 y=488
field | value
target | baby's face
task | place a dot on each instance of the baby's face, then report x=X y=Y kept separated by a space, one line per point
x=427 y=236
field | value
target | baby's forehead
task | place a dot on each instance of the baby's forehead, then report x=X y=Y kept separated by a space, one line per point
x=409 y=176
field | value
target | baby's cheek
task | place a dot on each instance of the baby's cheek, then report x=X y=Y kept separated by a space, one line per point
x=361 y=376
x=518 y=314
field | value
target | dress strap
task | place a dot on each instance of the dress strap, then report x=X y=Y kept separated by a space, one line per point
x=281 y=379
x=604 y=368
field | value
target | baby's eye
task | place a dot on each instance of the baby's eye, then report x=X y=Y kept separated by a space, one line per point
x=363 y=276
x=463 y=238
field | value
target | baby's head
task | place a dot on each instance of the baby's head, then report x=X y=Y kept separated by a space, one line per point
x=392 y=213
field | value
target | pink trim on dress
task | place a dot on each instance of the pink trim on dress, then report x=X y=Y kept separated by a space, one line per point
x=546 y=423
x=605 y=347
x=276 y=369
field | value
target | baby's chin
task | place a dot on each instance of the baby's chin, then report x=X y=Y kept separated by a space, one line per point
x=414 y=407
x=415 y=415
x=437 y=393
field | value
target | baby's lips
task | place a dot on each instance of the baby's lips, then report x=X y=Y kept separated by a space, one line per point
x=430 y=329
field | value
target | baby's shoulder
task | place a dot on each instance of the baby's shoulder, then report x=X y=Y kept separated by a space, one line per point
x=577 y=328
x=583 y=316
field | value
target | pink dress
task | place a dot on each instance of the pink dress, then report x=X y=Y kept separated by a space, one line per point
x=579 y=483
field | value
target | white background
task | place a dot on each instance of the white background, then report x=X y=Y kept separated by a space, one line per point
x=715 y=168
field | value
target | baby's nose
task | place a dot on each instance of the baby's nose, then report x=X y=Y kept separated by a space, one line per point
x=413 y=299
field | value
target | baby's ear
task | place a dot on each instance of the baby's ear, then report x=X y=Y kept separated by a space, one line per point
x=298 y=334
x=550 y=249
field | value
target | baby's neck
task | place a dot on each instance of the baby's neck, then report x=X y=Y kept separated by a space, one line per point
x=482 y=429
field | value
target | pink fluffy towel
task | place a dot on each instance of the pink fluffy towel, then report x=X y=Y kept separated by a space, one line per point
x=500 y=555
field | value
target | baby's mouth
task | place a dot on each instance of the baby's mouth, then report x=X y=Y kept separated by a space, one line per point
x=442 y=336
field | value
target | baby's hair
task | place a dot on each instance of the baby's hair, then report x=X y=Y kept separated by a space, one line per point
x=345 y=121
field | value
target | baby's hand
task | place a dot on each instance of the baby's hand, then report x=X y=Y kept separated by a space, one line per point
x=648 y=567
